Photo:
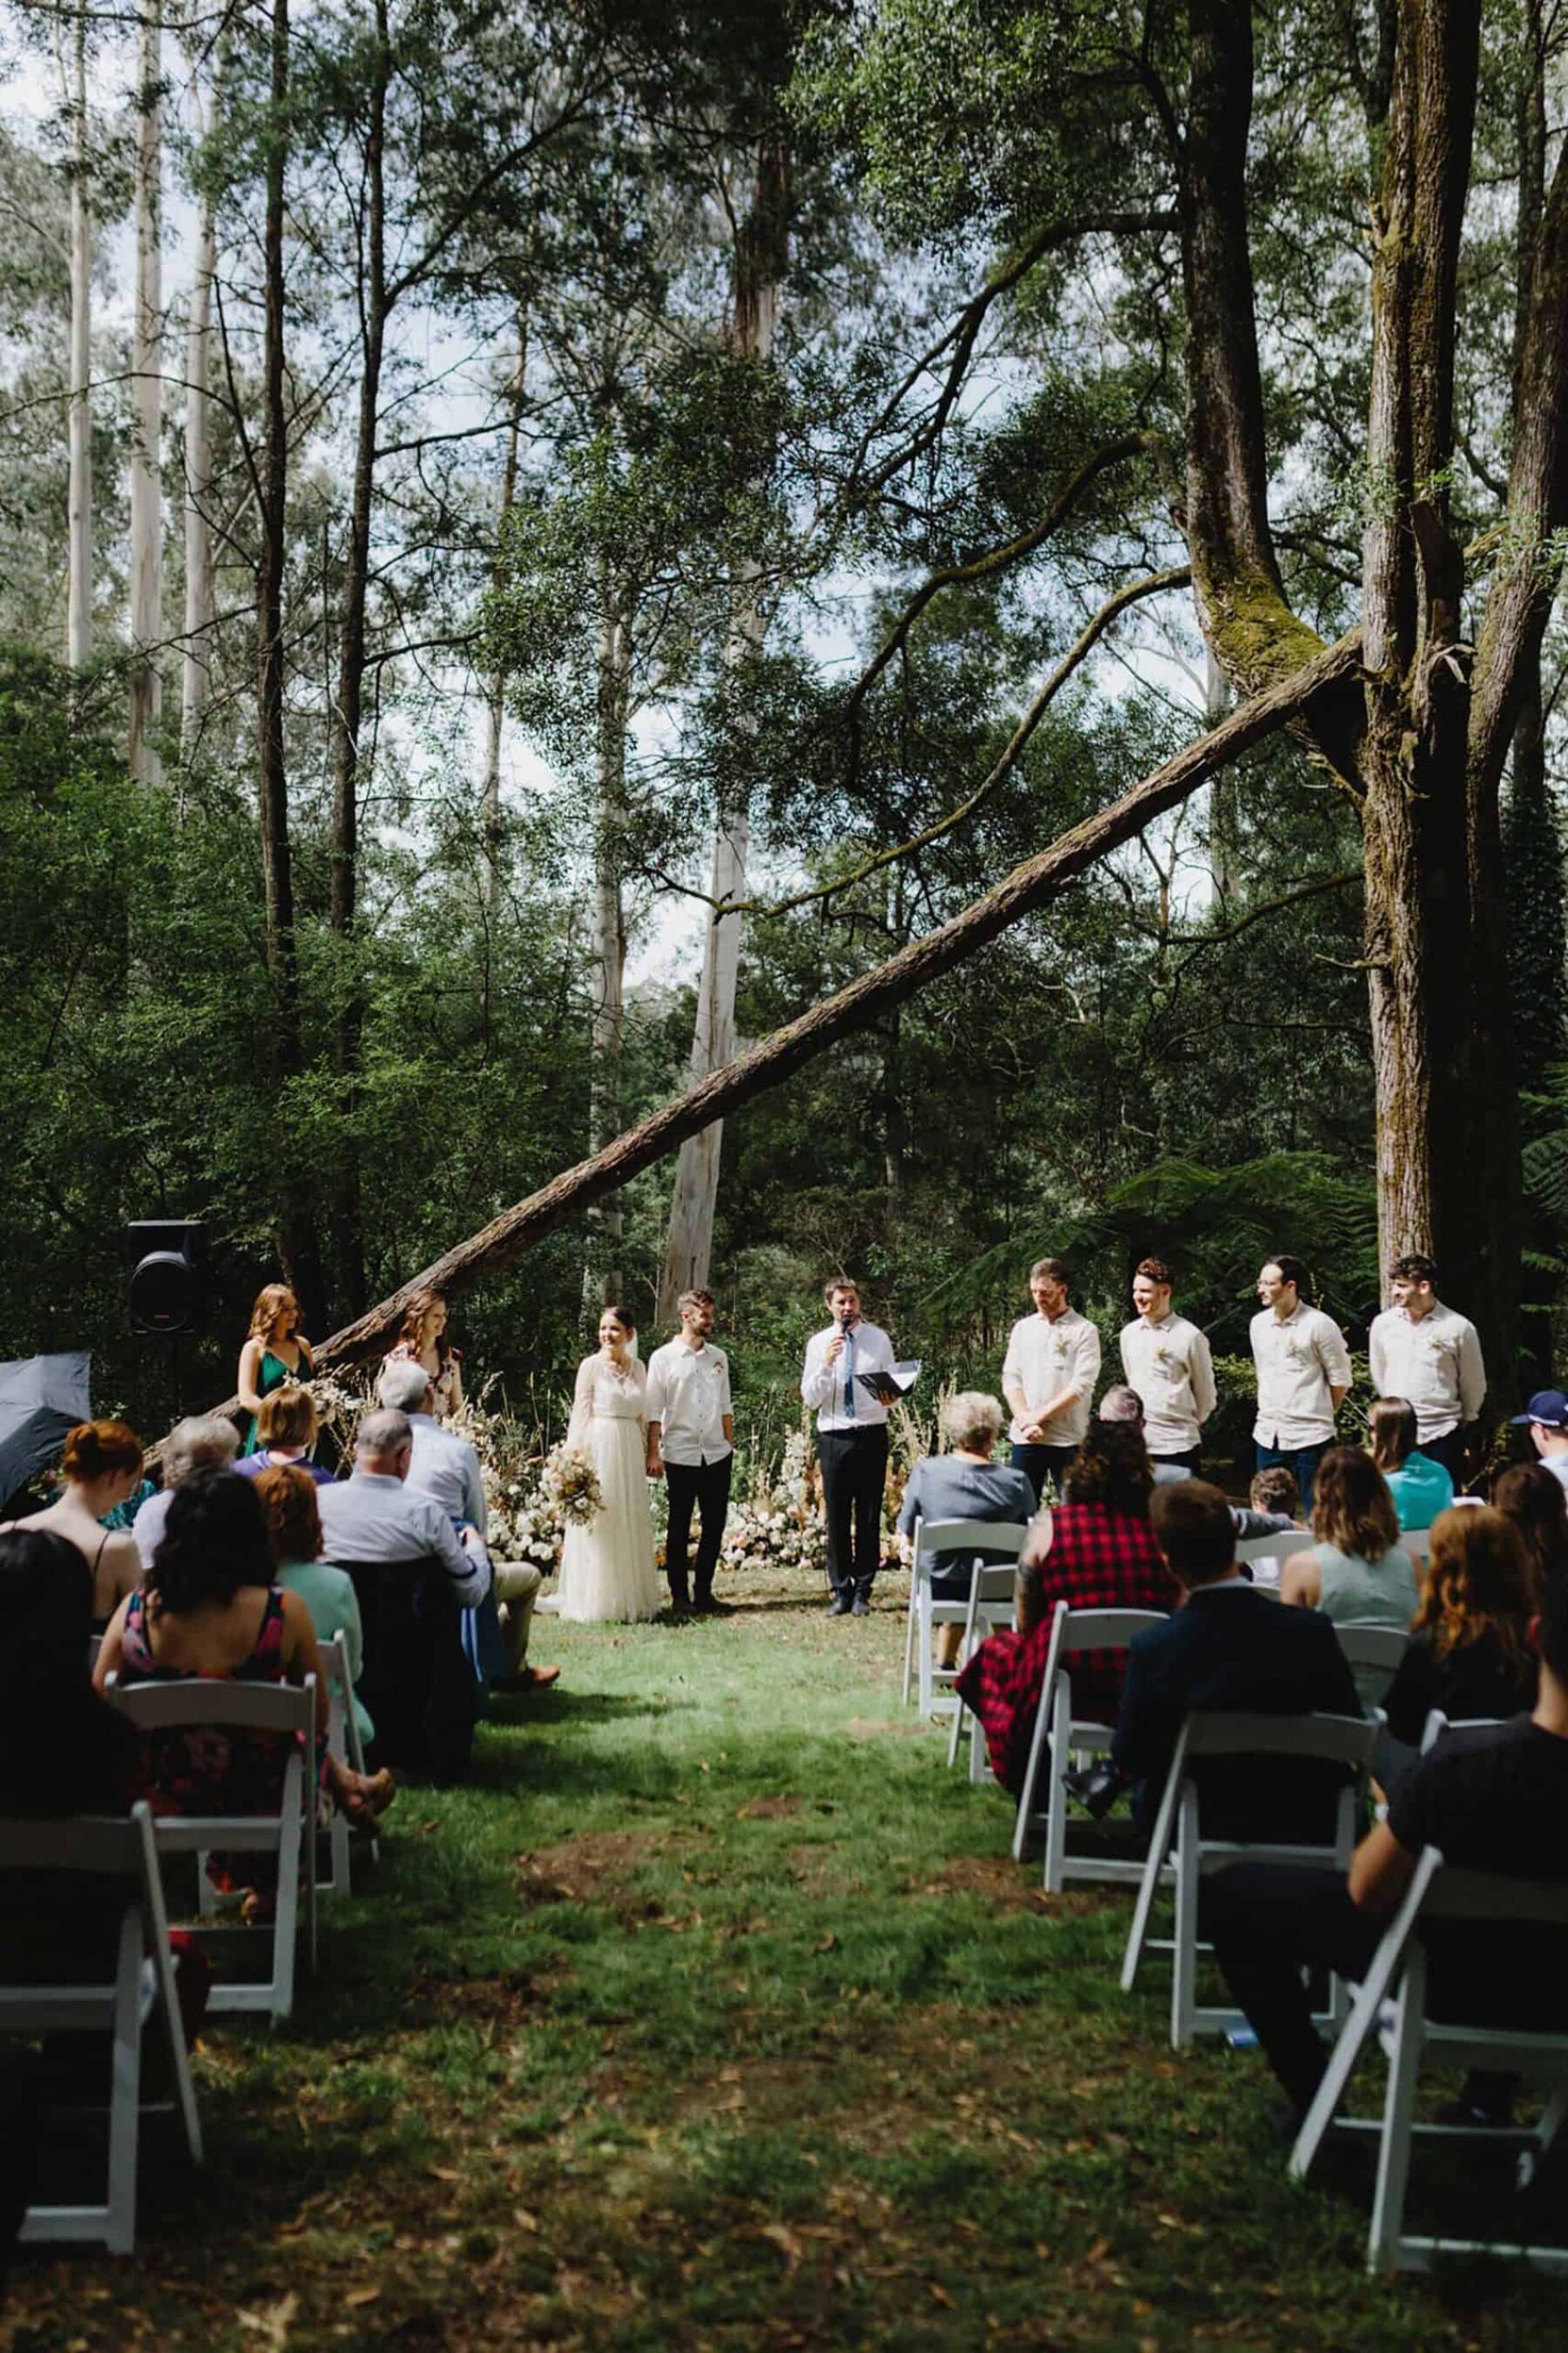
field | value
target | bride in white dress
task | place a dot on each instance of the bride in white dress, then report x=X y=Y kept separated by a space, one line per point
x=608 y=1572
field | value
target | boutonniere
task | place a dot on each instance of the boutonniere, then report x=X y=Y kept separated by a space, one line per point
x=1163 y=1357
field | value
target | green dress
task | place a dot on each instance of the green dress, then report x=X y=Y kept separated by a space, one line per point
x=274 y=1374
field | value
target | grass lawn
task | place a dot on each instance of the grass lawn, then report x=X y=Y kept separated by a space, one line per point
x=715 y=2012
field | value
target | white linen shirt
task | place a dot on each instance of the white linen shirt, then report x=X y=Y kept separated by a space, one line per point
x=1437 y=1364
x=1300 y=1358
x=689 y=1396
x=1042 y=1357
x=822 y=1384
x=447 y=1468
x=1170 y=1366
x=375 y=1516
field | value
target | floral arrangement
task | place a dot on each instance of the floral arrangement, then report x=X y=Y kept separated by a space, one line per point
x=760 y=1538
x=570 y=1485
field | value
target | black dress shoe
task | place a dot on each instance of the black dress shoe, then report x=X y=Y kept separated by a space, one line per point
x=859 y=1607
x=841 y=1606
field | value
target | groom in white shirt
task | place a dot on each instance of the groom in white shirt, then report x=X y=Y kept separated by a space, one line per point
x=691 y=1433
x=852 y=1443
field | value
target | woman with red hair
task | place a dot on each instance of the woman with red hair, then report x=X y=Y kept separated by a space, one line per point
x=101 y=1468
x=276 y=1351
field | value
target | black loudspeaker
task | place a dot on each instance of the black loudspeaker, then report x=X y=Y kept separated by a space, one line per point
x=168 y=1274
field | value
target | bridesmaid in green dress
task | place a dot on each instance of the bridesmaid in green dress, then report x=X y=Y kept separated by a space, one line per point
x=277 y=1351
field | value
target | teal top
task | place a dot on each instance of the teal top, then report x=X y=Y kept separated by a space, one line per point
x=274 y=1374
x=329 y=1595
x=1357 y=1592
x=1421 y=1489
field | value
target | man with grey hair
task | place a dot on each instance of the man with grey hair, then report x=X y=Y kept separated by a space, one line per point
x=203 y=1441
x=447 y=1468
x=415 y=1577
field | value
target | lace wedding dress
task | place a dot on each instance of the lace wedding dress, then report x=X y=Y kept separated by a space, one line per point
x=608 y=1573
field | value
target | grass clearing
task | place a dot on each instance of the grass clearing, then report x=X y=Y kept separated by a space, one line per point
x=713 y=2012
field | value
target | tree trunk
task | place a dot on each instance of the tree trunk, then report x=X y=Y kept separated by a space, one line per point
x=607 y=954
x=348 y=705
x=195 y=669
x=495 y=730
x=762 y=253
x=865 y=1001
x=147 y=412
x=297 y=1239
x=79 y=592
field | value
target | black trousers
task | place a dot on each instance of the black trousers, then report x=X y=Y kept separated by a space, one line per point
x=1268 y=1921
x=1192 y=1462
x=854 y=1474
x=702 y=1487
x=1449 y=1450
x=1034 y=1461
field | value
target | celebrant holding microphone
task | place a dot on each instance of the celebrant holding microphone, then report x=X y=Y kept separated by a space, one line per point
x=852 y=1440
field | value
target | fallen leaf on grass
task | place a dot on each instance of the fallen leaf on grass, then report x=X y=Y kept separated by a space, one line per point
x=446 y=2173
x=358 y=2295
x=523 y=2219
x=273 y=2322
x=784 y=2238
x=829 y=1944
x=939 y=2294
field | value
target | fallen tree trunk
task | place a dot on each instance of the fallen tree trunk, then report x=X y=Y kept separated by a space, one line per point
x=1020 y=894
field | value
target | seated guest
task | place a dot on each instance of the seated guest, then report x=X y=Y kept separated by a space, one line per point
x=1469 y=1653
x=965 y=1483
x=1124 y=1405
x=63 y=1750
x=206 y=1441
x=447 y=1468
x=414 y=1576
x=1229 y=1647
x=1546 y=1418
x=287 y=1500
x=101 y=1467
x=1490 y=1799
x=286 y=1430
x=1357 y=1574
x=1536 y=1502
x=1274 y=1491
x=1420 y=1487
x=1096 y=1551
x=210 y=1608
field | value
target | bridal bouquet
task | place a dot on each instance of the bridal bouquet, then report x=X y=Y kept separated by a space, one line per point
x=571 y=1485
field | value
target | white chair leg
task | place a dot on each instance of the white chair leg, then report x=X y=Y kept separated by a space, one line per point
x=1148 y=1886
x=1057 y=1803
x=125 y=2087
x=923 y=1643
x=1031 y=1780
x=979 y=1763
x=1185 y=1969
x=909 y=1637
x=1398 y=2114
x=173 y=2023
x=286 y=1918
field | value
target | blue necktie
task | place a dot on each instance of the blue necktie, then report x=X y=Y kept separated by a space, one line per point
x=849 y=1372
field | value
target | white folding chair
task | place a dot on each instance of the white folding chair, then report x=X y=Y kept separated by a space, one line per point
x=1437 y=1723
x=283 y=1709
x=992 y=1602
x=1379 y=1647
x=1069 y=1737
x=935 y=1540
x=144 y=1983
x=1327 y=1739
x=1276 y=1547
x=1393 y=1995
x=1417 y=1542
x=344 y=1743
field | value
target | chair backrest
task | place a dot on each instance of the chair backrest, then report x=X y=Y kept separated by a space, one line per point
x=994 y=1585
x=1494 y=1896
x=1417 y=1542
x=76 y=1842
x=1103 y=1630
x=1374 y=1646
x=935 y=1538
x=1276 y=1547
x=218 y=1699
x=1329 y=1739
x=1437 y=1723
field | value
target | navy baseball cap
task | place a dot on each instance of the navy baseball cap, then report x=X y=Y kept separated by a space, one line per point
x=1548 y=1406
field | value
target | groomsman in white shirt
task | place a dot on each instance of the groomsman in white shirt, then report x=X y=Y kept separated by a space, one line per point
x=1303 y=1374
x=1167 y=1361
x=1426 y=1352
x=852 y=1443
x=690 y=1439
x=1047 y=1377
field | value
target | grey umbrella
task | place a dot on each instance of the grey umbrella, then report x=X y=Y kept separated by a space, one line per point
x=40 y=1399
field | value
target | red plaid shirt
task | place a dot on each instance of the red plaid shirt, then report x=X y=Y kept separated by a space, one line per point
x=1098 y=1559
